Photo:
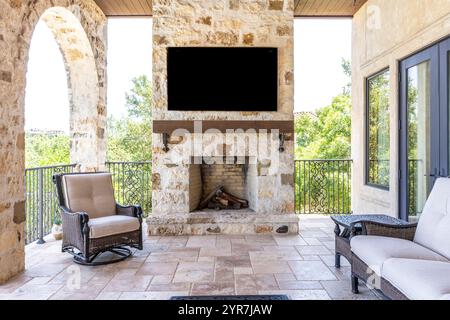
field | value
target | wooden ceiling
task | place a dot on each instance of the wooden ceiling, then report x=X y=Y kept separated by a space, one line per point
x=303 y=8
x=327 y=8
x=125 y=8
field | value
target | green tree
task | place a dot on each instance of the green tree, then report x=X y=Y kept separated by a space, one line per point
x=45 y=149
x=328 y=134
x=130 y=138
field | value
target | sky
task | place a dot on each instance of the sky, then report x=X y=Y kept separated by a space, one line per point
x=320 y=44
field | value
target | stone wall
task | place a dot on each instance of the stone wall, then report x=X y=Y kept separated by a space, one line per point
x=385 y=32
x=229 y=23
x=17 y=21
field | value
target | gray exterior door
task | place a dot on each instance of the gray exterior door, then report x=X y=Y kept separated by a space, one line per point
x=424 y=126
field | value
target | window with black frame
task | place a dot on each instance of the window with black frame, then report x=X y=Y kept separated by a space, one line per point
x=378 y=126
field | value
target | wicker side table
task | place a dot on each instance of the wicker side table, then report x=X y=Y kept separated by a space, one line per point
x=347 y=226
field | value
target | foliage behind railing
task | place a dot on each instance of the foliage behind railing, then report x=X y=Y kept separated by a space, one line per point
x=323 y=186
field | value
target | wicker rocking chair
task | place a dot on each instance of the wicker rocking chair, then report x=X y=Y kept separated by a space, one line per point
x=94 y=224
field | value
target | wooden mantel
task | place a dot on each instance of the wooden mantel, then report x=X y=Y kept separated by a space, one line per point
x=169 y=126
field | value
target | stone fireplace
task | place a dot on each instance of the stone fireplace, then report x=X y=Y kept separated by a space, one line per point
x=260 y=169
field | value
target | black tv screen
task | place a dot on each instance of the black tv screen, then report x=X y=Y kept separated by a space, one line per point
x=222 y=79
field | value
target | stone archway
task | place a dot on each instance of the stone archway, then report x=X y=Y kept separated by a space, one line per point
x=79 y=27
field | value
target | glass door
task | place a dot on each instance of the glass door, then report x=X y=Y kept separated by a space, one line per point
x=444 y=76
x=419 y=131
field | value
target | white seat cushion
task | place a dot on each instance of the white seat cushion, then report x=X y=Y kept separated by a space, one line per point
x=374 y=250
x=111 y=225
x=419 y=279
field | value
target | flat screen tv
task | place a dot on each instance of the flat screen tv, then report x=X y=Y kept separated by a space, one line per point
x=222 y=79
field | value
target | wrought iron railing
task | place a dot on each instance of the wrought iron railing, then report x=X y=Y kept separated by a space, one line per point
x=41 y=200
x=132 y=183
x=323 y=186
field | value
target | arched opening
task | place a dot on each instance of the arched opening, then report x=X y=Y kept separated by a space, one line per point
x=61 y=114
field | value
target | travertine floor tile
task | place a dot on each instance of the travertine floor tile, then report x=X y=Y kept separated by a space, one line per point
x=213 y=288
x=299 y=285
x=270 y=267
x=311 y=270
x=194 y=272
x=280 y=255
x=341 y=290
x=158 y=268
x=313 y=250
x=201 y=241
x=134 y=283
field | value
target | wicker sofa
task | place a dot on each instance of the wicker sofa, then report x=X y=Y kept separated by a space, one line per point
x=408 y=262
x=96 y=230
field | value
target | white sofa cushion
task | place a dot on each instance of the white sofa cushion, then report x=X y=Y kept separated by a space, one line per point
x=375 y=250
x=419 y=279
x=433 y=230
x=111 y=225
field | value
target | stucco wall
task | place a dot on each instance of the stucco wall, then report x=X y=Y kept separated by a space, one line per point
x=385 y=32
x=17 y=22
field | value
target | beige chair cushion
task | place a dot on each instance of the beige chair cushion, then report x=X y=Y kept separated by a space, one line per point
x=419 y=279
x=433 y=230
x=374 y=251
x=91 y=193
x=107 y=226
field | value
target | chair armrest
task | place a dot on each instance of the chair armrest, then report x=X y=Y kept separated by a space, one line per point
x=75 y=228
x=74 y=220
x=372 y=228
x=131 y=211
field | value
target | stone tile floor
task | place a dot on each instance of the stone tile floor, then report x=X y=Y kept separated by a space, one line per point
x=300 y=266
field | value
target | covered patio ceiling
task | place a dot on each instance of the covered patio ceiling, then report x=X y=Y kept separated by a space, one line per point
x=303 y=8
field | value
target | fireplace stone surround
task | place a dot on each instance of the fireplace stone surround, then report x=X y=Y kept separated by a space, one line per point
x=269 y=176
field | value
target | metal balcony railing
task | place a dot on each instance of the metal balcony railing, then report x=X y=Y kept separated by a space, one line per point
x=41 y=200
x=132 y=183
x=323 y=186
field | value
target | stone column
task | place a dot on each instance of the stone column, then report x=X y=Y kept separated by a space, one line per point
x=79 y=27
